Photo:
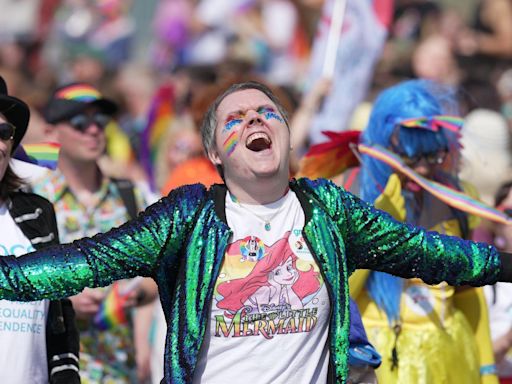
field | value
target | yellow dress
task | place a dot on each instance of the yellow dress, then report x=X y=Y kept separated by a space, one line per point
x=444 y=335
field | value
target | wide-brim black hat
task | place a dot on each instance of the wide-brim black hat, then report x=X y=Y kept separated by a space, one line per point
x=72 y=99
x=15 y=111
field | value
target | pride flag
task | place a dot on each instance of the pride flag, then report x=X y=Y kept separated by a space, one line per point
x=43 y=154
x=364 y=31
x=113 y=309
x=161 y=114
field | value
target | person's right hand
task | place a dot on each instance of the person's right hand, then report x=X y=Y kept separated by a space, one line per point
x=87 y=303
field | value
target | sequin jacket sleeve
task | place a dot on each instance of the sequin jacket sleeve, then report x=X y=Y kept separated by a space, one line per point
x=374 y=240
x=135 y=248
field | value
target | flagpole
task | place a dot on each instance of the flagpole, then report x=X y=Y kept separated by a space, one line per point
x=333 y=38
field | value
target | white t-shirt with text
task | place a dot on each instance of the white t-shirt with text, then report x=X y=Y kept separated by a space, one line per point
x=22 y=325
x=269 y=315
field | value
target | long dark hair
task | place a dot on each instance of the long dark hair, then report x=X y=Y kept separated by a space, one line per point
x=9 y=183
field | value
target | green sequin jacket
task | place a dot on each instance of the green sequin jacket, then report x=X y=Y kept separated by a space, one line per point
x=181 y=240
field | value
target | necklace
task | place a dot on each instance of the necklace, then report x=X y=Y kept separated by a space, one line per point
x=266 y=220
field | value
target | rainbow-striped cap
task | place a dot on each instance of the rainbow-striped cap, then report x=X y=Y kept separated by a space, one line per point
x=72 y=99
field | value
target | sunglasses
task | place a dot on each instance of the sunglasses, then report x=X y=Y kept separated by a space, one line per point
x=7 y=131
x=82 y=122
x=505 y=209
x=432 y=158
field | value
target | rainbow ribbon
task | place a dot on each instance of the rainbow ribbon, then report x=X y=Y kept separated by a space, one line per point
x=434 y=123
x=44 y=154
x=449 y=196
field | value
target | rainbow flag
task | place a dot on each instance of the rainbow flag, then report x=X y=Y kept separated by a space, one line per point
x=161 y=114
x=43 y=154
x=332 y=157
x=112 y=310
x=449 y=196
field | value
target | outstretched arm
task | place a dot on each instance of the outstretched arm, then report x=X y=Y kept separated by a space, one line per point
x=132 y=249
x=374 y=240
x=377 y=241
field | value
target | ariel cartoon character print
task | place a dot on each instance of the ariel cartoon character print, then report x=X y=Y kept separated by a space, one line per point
x=267 y=290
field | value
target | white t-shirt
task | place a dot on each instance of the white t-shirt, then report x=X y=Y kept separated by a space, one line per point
x=22 y=325
x=270 y=311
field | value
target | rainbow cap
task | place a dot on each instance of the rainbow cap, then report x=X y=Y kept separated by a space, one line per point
x=72 y=99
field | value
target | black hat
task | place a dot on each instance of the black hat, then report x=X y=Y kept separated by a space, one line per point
x=72 y=99
x=15 y=111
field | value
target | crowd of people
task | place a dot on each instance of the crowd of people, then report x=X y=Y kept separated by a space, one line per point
x=265 y=270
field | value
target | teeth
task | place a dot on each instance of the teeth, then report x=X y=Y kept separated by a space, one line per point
x=256 y=136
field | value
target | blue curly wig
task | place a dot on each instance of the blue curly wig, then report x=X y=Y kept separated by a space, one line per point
x=407 y=100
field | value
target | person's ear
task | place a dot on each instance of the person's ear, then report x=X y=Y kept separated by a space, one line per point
x=214 y=157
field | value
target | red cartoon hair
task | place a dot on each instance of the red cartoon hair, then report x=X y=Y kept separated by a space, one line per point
x=236 y=292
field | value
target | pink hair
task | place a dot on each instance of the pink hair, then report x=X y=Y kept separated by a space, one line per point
x=236 y=292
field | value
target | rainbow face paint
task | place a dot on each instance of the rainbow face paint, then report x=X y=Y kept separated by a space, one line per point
x=230 y=143
x=269 y=113
x=232 y=121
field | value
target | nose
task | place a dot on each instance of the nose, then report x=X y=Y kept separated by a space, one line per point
x=254 y=119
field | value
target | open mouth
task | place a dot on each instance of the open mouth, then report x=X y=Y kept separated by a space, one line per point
x=258 y=142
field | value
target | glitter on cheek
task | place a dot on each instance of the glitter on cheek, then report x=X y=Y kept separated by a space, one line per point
x=231 y=143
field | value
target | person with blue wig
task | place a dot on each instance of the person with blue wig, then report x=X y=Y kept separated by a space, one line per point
x=425 y=333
